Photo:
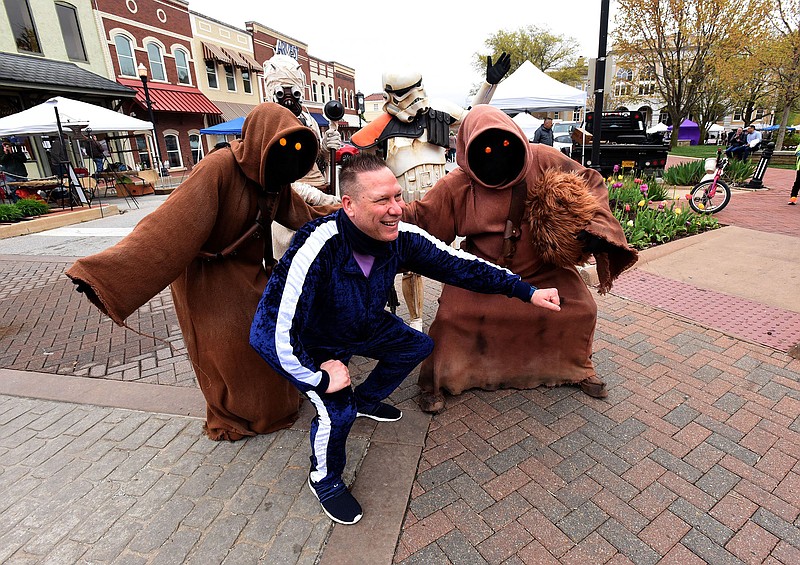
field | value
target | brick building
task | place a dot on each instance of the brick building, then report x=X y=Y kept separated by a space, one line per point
x=157 y=36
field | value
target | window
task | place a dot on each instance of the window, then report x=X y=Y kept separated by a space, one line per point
x=737 y=116
x=330 y=92
x=173 y=151
x=19 y=16
x=376 y=107
x=248 y=88
x=71 y=31
x=624 y=74
x=760 y=113
x=182 y=64
x=647 y=88
x=144 y=155
x=339 y=96
x=576 y=115
x=622 y=89
x=156 y=62
x=230 y=78
x=197 y=147
x=557 y=116
x=322 y=90
x=314 y=91
x=127 y=64
x=663 y=117
x=211 y=74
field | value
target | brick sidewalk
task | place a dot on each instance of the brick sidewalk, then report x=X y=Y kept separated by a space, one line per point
x=693 y=458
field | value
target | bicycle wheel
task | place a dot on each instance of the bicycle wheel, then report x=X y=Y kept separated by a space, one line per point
x=702 y=203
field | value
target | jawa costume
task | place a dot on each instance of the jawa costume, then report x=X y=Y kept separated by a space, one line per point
x=209 y=241
x=533 y=210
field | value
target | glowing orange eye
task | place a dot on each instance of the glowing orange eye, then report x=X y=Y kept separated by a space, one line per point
x=506 y=143
x=487 y=150
x=282 y=142
x=298 y=146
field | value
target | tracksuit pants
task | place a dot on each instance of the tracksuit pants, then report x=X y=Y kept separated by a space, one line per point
x=398 y=349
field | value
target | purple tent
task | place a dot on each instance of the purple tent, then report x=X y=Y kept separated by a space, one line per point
x=688 y=130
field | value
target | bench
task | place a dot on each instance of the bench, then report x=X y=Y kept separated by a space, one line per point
x=684 y=142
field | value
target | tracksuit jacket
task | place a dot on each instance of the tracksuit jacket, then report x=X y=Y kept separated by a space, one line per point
x=319 y=305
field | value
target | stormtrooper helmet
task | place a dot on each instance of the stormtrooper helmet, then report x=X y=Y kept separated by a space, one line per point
x=404 y=94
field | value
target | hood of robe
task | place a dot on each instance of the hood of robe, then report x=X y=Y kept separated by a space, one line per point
x=492 y=149
x=275 y=148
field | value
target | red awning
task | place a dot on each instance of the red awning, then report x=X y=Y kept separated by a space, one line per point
x=172 y=98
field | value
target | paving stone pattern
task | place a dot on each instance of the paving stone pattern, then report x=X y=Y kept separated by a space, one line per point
x=84 y=484
x=693 y=458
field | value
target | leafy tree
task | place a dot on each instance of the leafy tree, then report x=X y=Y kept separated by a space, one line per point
x=781 y=62
x=541 y=47
x=677 y=38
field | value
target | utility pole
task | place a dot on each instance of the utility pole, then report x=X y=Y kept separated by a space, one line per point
x=599 y=82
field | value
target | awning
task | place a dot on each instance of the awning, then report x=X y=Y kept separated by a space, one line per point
x=43 y=77
x=236 y=58
x=231 y=110
x=350 y=120
x=254 y=66
x=321 y=120
x=213 y=53
x=172 y=98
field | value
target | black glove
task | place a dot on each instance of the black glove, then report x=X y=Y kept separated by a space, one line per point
x=496 y=72
x=592 y=244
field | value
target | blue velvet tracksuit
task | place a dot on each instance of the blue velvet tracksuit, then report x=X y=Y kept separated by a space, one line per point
x=319 y=305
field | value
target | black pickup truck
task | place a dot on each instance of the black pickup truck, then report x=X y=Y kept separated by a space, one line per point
x=624 y=142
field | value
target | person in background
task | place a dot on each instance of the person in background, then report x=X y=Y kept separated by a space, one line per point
x=57 y=156
x=753 y=141
x=796 y=185
x=736 y=143
x=97 y=153
x=544 y=133
x=12 y=161
x=325 y=304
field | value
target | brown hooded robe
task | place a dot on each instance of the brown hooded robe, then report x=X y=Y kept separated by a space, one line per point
x=215 y=300
x=479 y=340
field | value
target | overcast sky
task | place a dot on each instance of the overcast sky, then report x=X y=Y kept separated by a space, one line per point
x=439 y=40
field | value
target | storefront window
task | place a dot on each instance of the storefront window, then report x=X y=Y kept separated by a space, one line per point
x=197 y=148
x=182 y=64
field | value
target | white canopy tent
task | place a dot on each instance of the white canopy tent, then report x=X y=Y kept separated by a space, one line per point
x=73 y=114
x=528 y=123
x=529 y=89
x=659 y=127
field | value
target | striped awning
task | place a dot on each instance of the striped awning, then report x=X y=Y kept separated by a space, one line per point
x=172 y=98
x=236 y=58
x=213 y=53
x=254 y=66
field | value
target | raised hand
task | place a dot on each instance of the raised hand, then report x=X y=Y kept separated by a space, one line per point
x=496 y=72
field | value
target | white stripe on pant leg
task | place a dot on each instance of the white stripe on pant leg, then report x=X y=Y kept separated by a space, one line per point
x=322 y=438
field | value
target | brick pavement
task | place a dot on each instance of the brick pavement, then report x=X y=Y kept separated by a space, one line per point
x=693 y=458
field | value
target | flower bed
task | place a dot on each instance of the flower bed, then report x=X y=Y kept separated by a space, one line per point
x=647 y=216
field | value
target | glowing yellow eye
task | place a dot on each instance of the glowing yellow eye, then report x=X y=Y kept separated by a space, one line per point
x=506 y=143
x=282 y=142
x=487 y=150
x=298 y=146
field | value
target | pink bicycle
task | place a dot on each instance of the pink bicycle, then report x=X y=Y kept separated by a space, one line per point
x=711 y=195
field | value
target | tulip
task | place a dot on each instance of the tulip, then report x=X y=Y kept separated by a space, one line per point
x=627 y=207
x=637 y=181
x=642 y=203
x=688 y=196
x=644 y=188
x=630 y=223
x=660 y=205
x=616 y=168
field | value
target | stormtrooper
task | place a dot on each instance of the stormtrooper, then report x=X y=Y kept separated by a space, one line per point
x=284 y=84
x=413 y=134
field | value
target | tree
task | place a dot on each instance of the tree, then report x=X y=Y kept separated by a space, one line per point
x=781 y=62
x=544 y=49
x=677 y=39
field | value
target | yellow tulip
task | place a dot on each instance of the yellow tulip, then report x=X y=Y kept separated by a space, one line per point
x=642 y=203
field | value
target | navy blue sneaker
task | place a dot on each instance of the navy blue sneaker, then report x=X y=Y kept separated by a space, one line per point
x=382 y=413
x=342 y=508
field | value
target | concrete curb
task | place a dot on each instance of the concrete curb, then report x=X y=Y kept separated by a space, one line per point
x=57 y=220
x=589 y=272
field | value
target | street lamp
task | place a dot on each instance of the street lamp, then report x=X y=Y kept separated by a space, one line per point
x=359 y=105
x=143 y=75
